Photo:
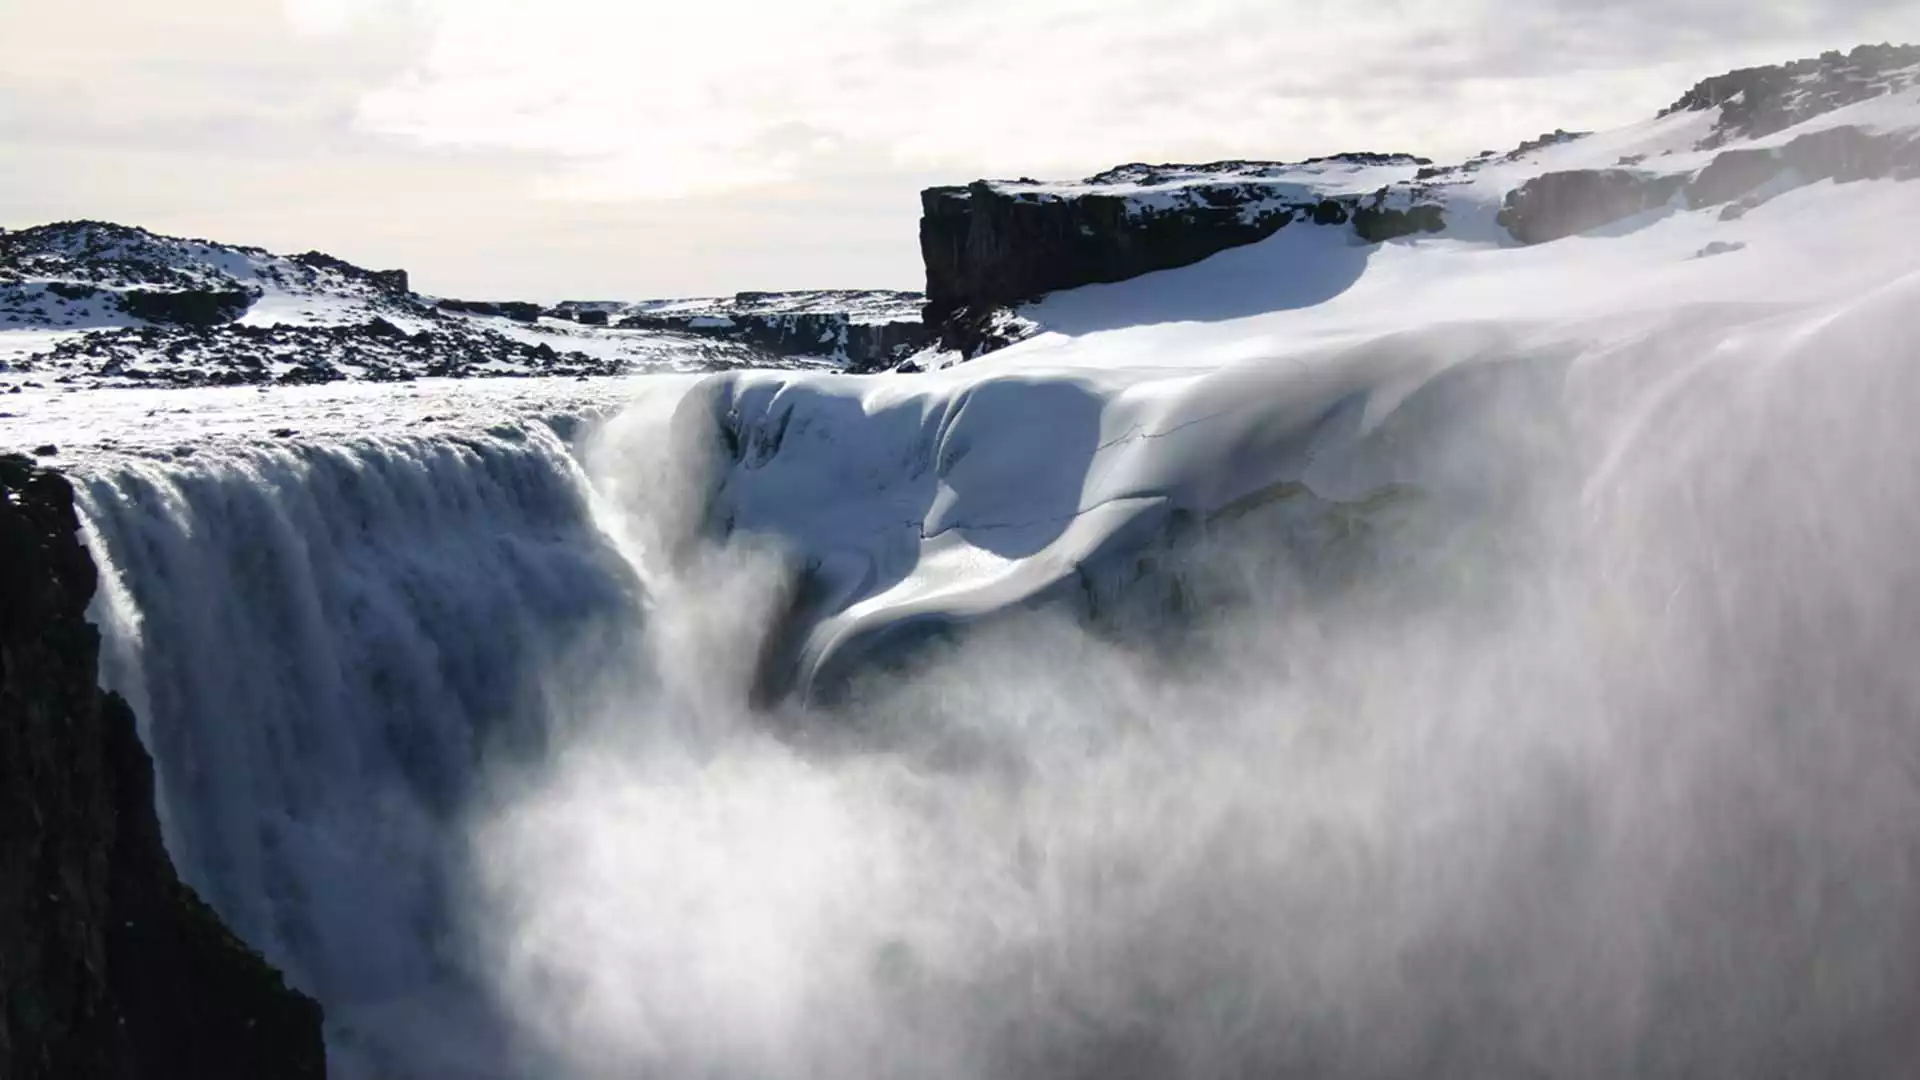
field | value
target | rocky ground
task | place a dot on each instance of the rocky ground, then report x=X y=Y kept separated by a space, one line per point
x=88 y=304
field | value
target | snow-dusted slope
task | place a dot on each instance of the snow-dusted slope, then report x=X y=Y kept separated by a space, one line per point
x=92 y=304
x=1178 y=393
x=1731 y=141
x=863 y=330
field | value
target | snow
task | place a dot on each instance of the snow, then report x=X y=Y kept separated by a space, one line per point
x=1156 y=189
x=406 y=551
x=858 y=305
x=961 y=490
x=100 y=428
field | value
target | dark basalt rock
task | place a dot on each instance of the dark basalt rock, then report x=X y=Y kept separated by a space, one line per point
x=988 y=248
x=1561 y=204
x=389 y=281
x=1842 y=154
x=984 y=248
x=1759 y=101
x=1564 y=204
x=1731 y=174
x=187 y=307
x=110 y=967
x=1376 y=225
x=867 y=346
x=517 y=310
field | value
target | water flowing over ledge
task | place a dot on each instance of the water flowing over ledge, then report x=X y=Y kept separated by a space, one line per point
x=1480 y=704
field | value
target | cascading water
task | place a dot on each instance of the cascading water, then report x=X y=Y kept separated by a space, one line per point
x=324 y=642
x=1575 y=737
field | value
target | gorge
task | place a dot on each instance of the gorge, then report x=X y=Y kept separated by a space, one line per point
x=1426 y=654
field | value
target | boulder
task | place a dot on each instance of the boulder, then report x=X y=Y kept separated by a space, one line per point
x=1561 y=204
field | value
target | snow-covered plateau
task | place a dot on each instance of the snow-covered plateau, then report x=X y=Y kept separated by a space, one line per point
x=1438 y=655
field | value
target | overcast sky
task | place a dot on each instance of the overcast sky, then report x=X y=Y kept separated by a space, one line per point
x=627 y=148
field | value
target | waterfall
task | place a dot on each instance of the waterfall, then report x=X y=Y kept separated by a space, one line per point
x=1559 y=719
x=324 y=642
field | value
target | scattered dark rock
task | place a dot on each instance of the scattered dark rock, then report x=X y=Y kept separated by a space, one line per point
x=1719 y=247
x=1759 y=101
x=393 y=282
x=46 y=450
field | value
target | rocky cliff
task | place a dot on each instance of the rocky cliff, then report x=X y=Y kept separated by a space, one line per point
x=1732 y=141
x=110 y=967
x=1759 y=101
x=992 y=244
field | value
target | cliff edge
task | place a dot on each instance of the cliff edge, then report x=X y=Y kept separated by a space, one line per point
x=110 y=966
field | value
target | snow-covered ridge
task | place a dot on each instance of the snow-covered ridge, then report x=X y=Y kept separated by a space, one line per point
x=97 y=304
x=863 y=330
x=994 y=245
x=1147 y=188
x=858 y=305
x=1756 y=102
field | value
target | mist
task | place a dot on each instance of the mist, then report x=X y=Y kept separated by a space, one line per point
x=1585 y=743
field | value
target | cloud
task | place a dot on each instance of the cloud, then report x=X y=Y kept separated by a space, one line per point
x=658 y=99
x=506 y=147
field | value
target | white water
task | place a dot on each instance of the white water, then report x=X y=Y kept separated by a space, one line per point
x=324 y=642
x=1600 y=758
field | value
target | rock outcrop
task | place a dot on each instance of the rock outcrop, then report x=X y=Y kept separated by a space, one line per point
x=186 y=307
x=1759 y=101
x=1752 y=103
x=994 y=244
x=110 y=967
x=865 y=330
x=1561 y=204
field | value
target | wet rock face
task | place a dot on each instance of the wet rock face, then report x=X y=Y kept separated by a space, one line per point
x=110 y=967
